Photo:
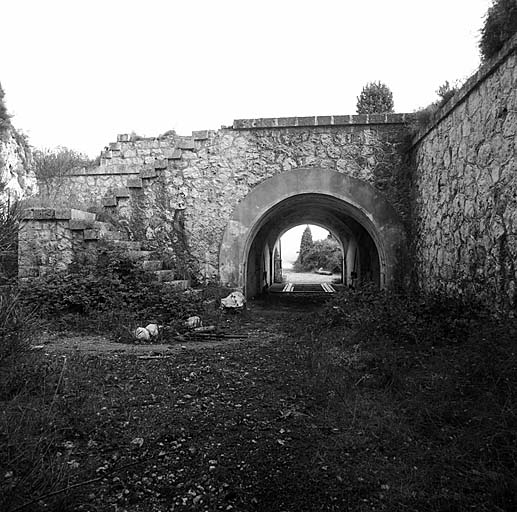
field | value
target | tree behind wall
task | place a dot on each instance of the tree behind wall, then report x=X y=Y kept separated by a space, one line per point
x=54 y=163
x=375 y=98
x=500 y=25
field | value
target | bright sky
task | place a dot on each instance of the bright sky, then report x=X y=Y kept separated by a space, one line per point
x=77 y=73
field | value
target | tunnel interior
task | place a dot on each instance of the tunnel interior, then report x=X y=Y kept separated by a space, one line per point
x=350 y=226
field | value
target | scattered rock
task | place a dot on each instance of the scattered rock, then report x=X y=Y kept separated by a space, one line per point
x=153 y=330
x=235 y=300
x=141 y=333
x=208 y=328
x=193 y=322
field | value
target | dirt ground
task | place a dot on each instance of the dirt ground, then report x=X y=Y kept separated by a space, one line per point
x=224 y=425
x=252 y=423
x=253 y=328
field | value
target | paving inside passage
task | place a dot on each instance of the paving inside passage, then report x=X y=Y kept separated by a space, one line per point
x=302 y=288
x=306 y=283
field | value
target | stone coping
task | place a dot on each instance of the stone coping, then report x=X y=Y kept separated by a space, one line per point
x=126 y=137
x=57 y=214
x=485 y=70
x=341 y=120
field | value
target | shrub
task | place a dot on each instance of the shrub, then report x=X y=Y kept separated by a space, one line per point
x=446 y=91
x=48 y=164
x=500 y=25
x=9 y=220
x=375 y=98
x=373 y=314
x=423 y=116
x=18 y=324
x=102 y=296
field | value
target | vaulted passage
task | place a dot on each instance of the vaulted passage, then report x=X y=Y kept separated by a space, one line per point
x=367 y=227
x=361 y=260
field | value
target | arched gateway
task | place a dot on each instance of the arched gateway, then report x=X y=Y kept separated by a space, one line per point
x=367 y=226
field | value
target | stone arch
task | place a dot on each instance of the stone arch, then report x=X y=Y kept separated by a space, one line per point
x=315 y=195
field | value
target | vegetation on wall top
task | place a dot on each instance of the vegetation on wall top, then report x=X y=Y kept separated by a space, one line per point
x=500 y=25
x=445 y=92
x=53 y=163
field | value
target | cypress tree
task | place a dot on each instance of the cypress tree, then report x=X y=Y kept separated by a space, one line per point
x=305 y=245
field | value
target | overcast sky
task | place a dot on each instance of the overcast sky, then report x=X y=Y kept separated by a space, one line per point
x=77 y=73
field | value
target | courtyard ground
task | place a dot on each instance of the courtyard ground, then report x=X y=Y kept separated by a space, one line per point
x=254 y=424
x=289 y=276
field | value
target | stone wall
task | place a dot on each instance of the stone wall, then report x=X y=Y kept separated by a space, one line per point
x=83 y=189
x=465 y=186
x=159 y=187
x=48 y=240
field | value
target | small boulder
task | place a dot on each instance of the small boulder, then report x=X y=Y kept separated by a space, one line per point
x=235 y=300
x=208 y=328
x=153 y=330
x=193 y=322
x=141 y=333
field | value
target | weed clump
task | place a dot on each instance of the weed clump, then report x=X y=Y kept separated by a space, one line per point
x=428 y=380
x=106 y=296
x=373 y=314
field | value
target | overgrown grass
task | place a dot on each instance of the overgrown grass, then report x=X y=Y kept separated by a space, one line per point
x=427 y=388
x=410 y=403
x=27 y=413
x=49 y=402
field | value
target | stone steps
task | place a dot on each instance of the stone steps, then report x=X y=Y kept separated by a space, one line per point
x=128 y=245
x=84 y=226
x=125 y=152
x=138 y=255
x=152 y=265
x=177 y=285
x=164 y=275
x=145 y=161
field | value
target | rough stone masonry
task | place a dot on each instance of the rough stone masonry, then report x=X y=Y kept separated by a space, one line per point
x=148 y=184
x=452 y=186
x=465 y=188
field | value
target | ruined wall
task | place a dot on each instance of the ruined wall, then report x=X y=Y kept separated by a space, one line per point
x=47 y=242
x=82 y=189
x=164 y=185
x=465 y=182
x=207 y=176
